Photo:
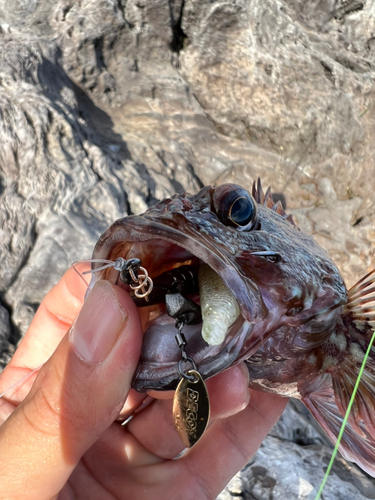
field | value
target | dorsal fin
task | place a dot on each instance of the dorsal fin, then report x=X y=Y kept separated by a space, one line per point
x=258 y=193
x=278 y=208
x=289 y=218
x=268 y=201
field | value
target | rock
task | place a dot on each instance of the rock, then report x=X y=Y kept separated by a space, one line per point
x=291 y=464
x=298 y=426
x=6 y=347
x=108 y=106
x=268 y=475
x=233 y=489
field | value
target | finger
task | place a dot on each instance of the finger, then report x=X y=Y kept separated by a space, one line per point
x=161 y=394
x=10 y=397
x=134 y=402
x=75 y=398
x=6 y=409
x=229 y=444
x=105 y=462
x=52 y=319
x=204 y=470
x=154 y=427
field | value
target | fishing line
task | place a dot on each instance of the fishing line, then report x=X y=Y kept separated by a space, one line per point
x=345 y=419
x=21 y=380
x=108 y=263
x=141 y=284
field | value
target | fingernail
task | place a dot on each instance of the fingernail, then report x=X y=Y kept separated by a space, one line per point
x=99 y=324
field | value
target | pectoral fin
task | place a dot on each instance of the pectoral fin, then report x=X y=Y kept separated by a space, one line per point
x=328 y=395
x=358 y=447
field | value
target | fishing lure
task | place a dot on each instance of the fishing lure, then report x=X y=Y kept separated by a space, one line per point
x=191 y=405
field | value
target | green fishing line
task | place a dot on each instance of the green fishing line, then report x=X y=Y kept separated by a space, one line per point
x=345 y=419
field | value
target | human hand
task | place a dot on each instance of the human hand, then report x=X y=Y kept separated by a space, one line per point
x=59 y=438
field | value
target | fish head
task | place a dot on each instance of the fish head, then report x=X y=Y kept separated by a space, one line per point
x=278 y=276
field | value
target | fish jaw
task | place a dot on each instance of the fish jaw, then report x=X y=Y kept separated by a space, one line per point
x=154 y=243
x=161 y=247
x=157 y=369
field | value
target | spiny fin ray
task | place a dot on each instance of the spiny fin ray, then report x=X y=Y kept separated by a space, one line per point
x=360 y=304
x=268 y=201
x=357 y=444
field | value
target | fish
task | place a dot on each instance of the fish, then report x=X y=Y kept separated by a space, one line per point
x=298 y=329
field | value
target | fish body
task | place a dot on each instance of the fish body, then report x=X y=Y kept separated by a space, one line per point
x=300 y=332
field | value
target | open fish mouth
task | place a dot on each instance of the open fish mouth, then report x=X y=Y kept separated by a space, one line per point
x=176 y=261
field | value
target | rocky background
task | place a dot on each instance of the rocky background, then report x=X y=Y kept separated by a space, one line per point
x=109 y=105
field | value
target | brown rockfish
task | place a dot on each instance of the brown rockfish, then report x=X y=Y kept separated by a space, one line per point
x=301 y=333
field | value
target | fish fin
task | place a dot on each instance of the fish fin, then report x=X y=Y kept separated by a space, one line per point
x=361 y=300
x=268 y=201
x=343 y=354
x=290 y=219
x=362 y=414
x=319 y=397
x=356 y=331
x=258 y=193
x=278 y=208
x=260 y=197
x=254 y=192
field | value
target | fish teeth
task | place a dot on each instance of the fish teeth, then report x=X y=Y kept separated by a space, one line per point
x=219 y=307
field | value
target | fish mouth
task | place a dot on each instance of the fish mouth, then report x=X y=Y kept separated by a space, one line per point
x=168 y=254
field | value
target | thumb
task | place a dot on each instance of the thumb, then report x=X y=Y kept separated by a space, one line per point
x=77 y=395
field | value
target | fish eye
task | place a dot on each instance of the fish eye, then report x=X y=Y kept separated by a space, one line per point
x=235 y=207
x=242 y=211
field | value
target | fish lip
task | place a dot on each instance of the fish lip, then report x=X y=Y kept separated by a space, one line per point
x=125 y=233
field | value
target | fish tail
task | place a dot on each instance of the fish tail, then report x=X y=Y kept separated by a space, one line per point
x=349 y=364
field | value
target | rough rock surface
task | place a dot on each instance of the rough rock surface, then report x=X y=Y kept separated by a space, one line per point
x=109 y=105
